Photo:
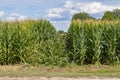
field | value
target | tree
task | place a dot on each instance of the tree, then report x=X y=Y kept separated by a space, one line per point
x=82 y=16
x=117 y=12
x=61 y=32
x=110 y=15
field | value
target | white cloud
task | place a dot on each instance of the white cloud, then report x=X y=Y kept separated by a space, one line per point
x=55 y=10
x=69 y=4
x=21 y=17
x=11 y=18
x=2 y=13
x=71 y=8
x=94 y=7
x=16 y=16
x=61 y=16
x=54 y=15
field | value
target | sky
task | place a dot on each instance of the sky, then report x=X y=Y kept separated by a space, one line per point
x=58 y=12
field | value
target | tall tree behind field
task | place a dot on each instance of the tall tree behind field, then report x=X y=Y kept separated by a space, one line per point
x=117 y=12
x=82 y=16
x=111 y=15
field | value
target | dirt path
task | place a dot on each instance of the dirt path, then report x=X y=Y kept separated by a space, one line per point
x=55 y=78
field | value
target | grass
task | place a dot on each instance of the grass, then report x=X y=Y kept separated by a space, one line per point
x=52 y=71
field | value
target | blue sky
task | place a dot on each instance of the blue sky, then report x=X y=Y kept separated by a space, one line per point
x=58 y=12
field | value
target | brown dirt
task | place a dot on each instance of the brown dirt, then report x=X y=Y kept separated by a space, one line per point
x=55 y=78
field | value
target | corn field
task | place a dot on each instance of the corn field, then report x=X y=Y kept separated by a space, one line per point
x=37 y=42
x=94 y=42
x=30 y=42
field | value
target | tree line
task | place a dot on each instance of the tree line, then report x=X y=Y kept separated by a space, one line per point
x=108 y=15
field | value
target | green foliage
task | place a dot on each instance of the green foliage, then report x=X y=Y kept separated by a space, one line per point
x=111 y=15
x=93 y=42
x=37 y=42
x=82 y=16
x=117 y=12
x=61 y=32
x=32 y=42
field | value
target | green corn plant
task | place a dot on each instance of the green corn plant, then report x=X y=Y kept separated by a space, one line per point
x=93 y=42
x=97 y=36
x=82 y=46
x=21 y=41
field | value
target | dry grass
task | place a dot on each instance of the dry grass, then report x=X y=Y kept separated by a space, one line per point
x=50 y=71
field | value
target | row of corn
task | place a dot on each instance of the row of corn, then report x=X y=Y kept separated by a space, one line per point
x=30 y=42
x=37 y=42
x=94 y=42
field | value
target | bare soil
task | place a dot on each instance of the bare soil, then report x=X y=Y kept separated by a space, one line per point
x=56 y=78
